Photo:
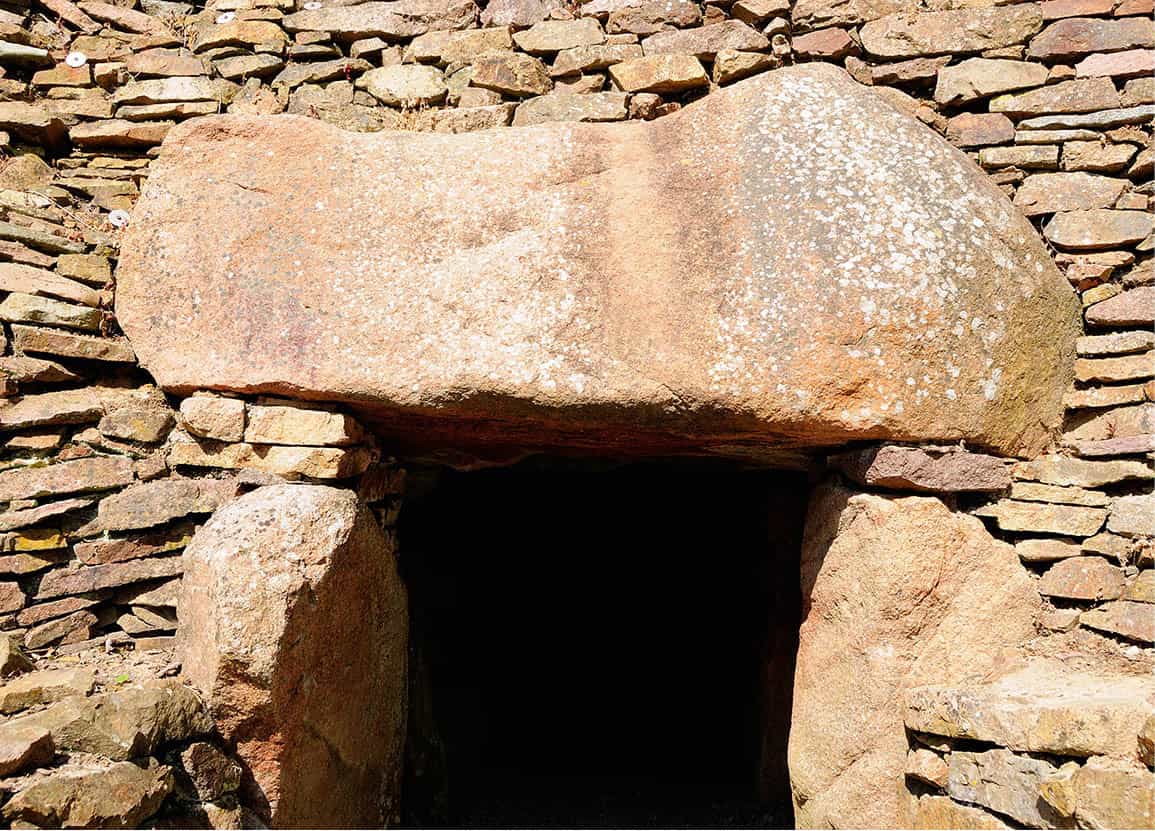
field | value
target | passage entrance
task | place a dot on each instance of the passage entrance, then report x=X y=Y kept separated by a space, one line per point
x=600 y=644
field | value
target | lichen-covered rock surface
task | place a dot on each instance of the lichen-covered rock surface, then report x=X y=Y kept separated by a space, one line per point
x=790 y=260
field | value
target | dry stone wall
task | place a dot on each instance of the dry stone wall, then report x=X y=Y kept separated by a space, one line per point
x=105 y=478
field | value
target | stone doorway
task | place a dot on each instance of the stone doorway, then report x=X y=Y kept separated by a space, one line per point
x=601 y=644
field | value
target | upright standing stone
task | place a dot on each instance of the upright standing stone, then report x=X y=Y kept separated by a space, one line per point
x=293 y=623
x=897 y=593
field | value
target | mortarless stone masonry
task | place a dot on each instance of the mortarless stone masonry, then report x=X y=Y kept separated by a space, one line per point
x=106 y=477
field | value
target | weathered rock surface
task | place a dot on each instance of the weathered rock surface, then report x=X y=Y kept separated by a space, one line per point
x=897 y=593
x=126 y=723
x=1045 y=193
x=704 y=319
x=1006 y=783
x=291 y=597
x=944 y=812
x=44 y=687
x=1042 y=707
x=1126 y=618
x=121 y=796
x=912 y=468
x=1105 y=793
x=982 y=77
x=905 y=35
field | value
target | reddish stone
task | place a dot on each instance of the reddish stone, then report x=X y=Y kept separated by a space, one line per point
x=326 y=616
x=1134 y=307
x=747 y=351
x=1076 y=37
x=980 y=129
x=1056 y=9
x=94 y=578
x=95 y=474
x=11 y=597
x=1133 y=7
x=1082 y=578
x=1133 y=63
x=825 y=43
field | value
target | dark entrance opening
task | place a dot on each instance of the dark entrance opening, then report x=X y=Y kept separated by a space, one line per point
x=601 y=645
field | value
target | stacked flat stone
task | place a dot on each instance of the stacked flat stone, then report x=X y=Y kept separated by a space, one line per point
x=104 y=479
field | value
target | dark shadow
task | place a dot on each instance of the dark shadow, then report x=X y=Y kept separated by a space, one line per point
x=601 y=646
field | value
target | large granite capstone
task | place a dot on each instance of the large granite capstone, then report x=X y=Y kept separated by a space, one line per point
x=787 y=262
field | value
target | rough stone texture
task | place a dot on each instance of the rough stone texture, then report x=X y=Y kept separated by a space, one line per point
x=1125 y=618
x=574 y=349
x=955 y=30
x=1038 y=517
x=1083 y=578
x=121 y=796
x=273 y=422
x=391 y=20
x=313 y=462
x=126 y=723
x=1097 y=229
x=1044 y=706
x=153 y=503
x=1133 y=516
x=593 y=106
x=897 y=593
x=1005 y=783
x=96 y=578
x=659 y=74
x=911 y=468
x=291 y=597
x=944 y=812
x=1106 y=793
x=18 y=752
x=44 y=687
x=978 y=129
x=1129 y=308
x=982 y=77
x=1060 y=470
x=81 y=475
x=213 y=417
x=1077 y=37
x=1047 y=193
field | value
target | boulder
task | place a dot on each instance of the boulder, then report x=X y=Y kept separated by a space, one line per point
x=293 y=623
x=646 y=305
x=897 y=593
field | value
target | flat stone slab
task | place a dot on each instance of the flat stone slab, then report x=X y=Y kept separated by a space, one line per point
x=788 y=262
x=1042 y=707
